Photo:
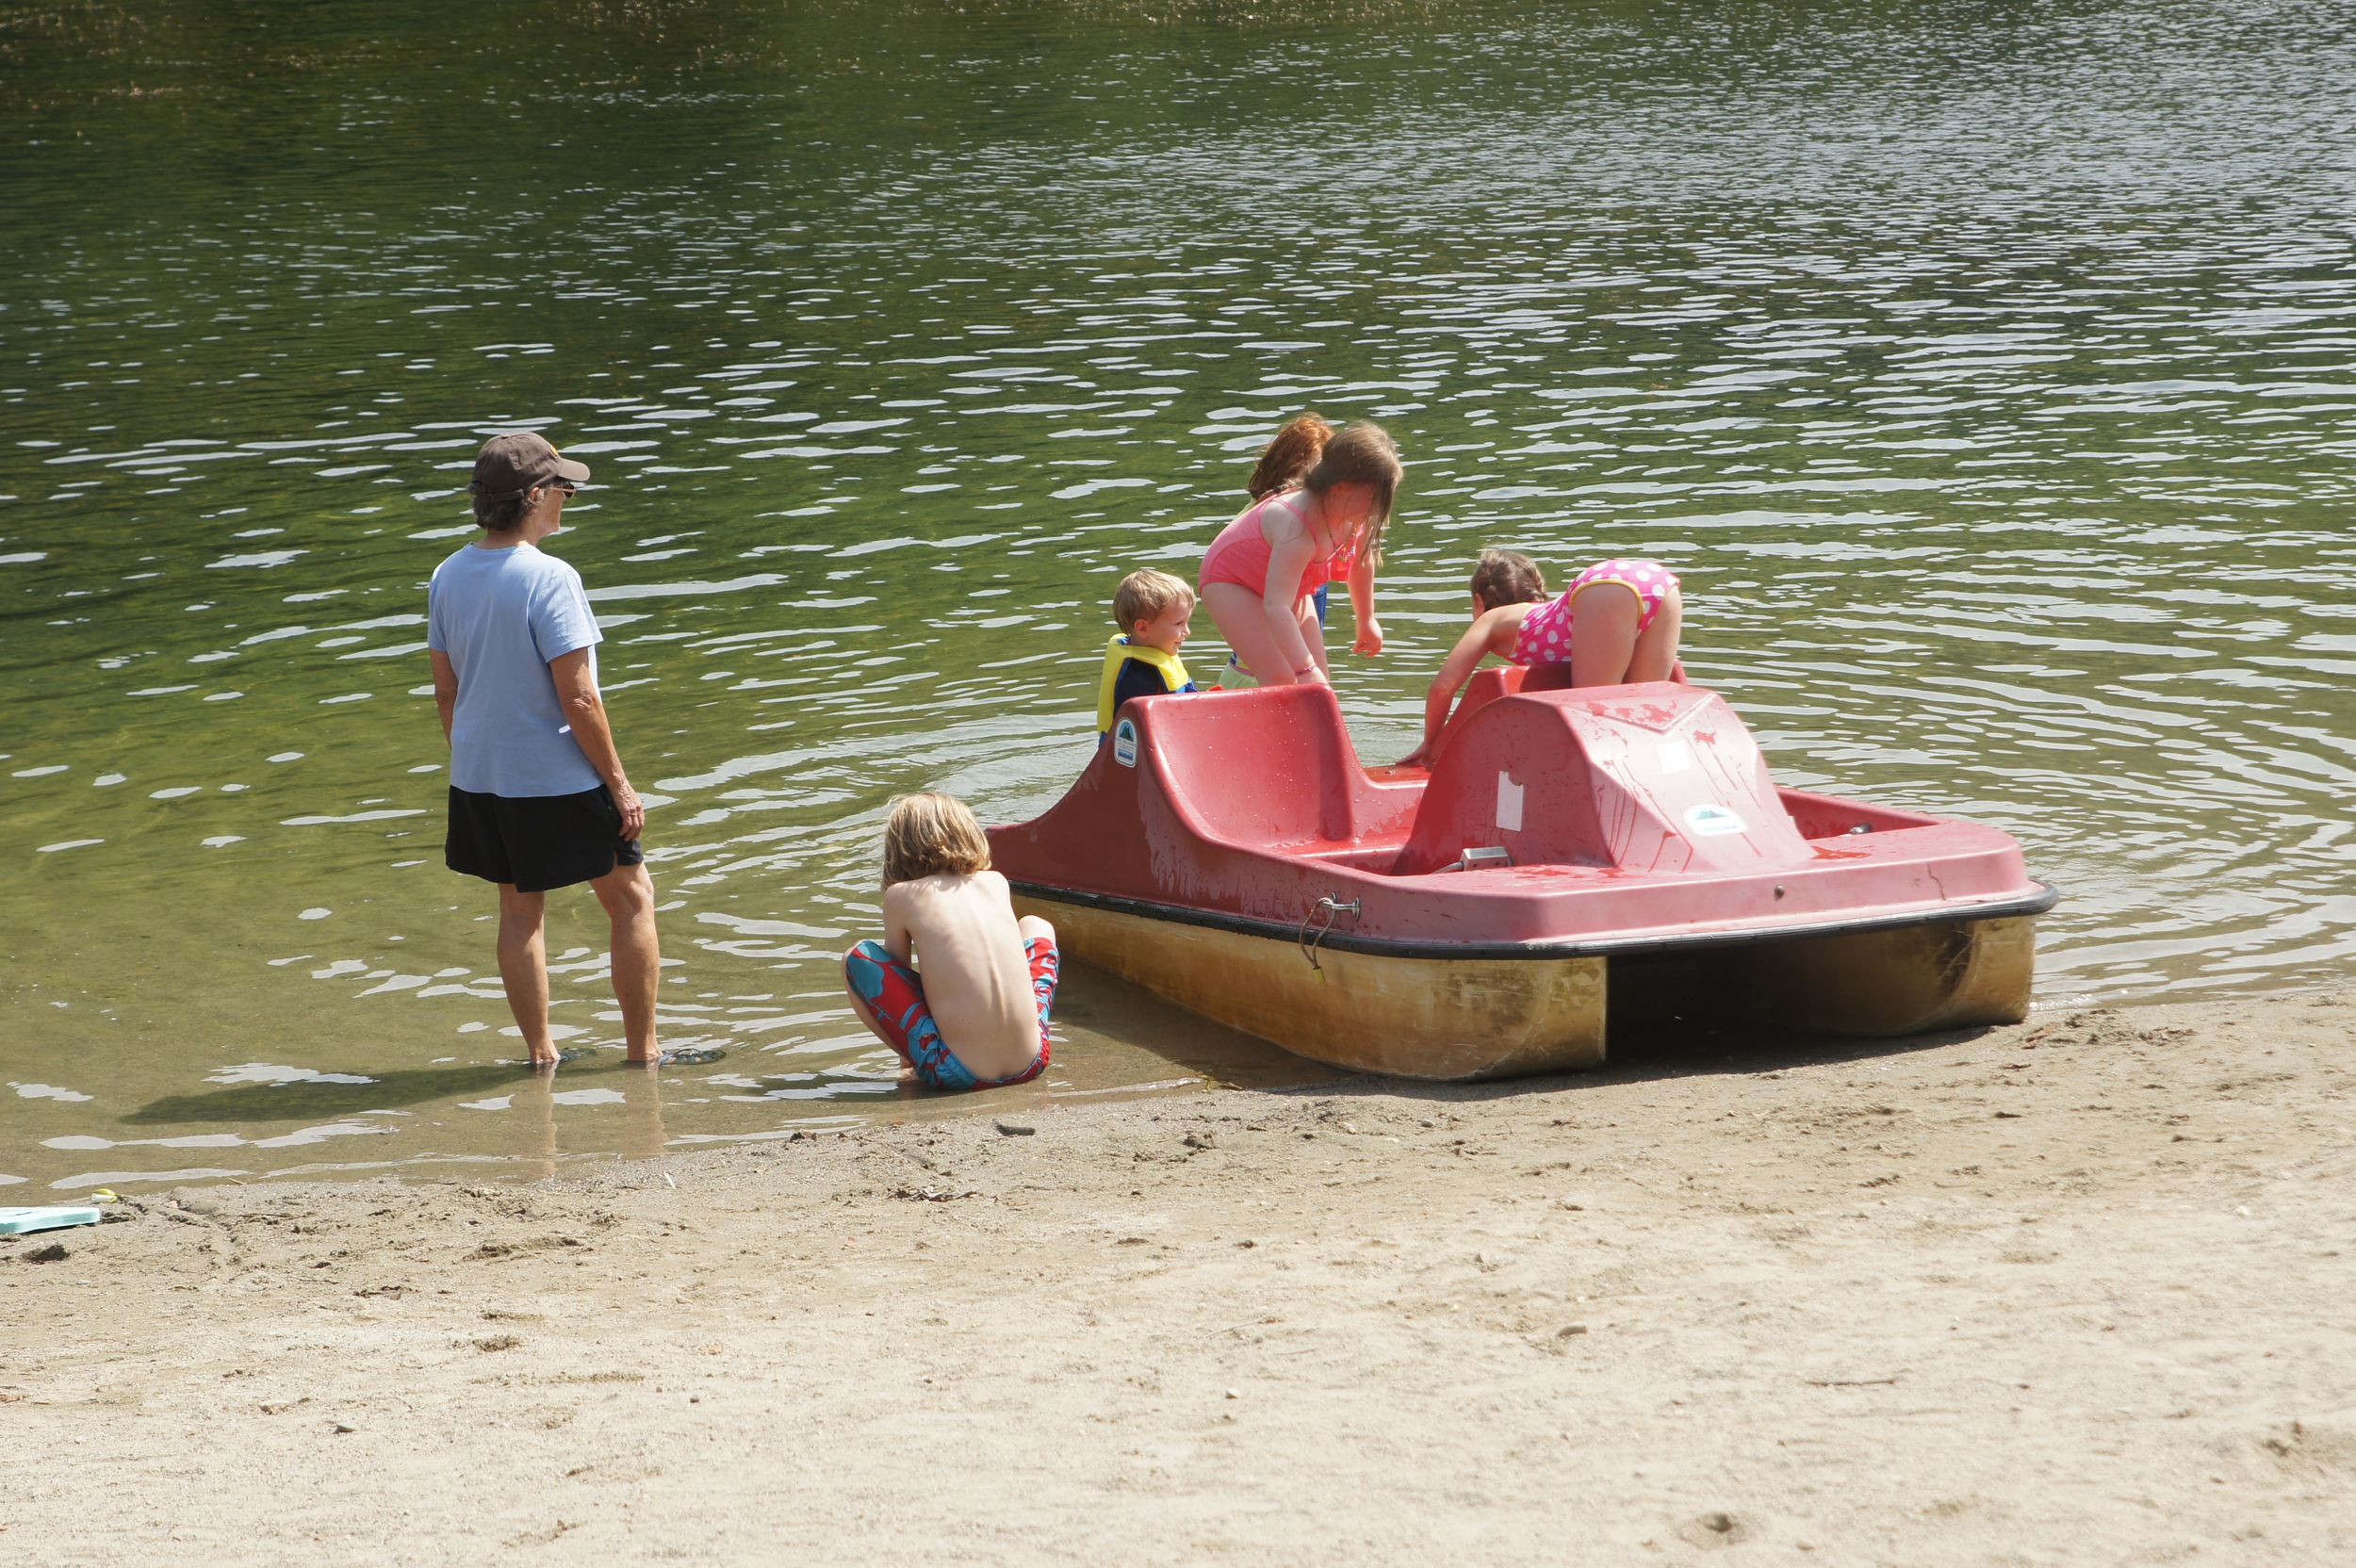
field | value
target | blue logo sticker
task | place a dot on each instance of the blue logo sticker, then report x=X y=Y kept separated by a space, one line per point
x=1710 y=821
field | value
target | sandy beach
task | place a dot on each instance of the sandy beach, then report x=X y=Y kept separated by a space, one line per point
x=2072 y=1292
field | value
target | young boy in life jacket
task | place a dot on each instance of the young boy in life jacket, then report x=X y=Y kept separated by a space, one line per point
x=1141 y=660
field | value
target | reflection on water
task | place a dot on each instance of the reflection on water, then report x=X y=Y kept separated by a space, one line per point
x=531 y=1118
x=1986 y=374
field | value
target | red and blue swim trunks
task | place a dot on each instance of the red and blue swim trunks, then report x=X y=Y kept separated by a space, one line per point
x=894 y=995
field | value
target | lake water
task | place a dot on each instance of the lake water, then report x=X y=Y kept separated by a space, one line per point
x=1988 y=372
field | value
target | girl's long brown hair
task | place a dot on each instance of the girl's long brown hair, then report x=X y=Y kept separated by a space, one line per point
x=1507 y=577
x=1360 y=453
x=1290 y=456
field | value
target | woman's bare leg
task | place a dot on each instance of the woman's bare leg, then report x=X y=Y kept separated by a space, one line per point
x=524 y=968
x=635 y=956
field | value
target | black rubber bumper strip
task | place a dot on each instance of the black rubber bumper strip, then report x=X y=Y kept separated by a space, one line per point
x=2046 y=897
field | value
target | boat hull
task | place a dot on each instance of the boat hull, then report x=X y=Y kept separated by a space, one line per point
x=1877 y=983
x=1447 y=1018
x=1910 y=980
x=1462 y=1018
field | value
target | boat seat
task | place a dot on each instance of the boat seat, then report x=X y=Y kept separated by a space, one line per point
x=1266 y=768
x=1652 y=777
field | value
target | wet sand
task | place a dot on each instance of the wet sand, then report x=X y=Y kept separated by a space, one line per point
x=2073 y=1292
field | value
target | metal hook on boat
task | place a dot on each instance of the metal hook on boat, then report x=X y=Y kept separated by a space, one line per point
x=1329 y=908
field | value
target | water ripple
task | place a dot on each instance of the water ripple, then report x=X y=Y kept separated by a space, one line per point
x=1985 y=375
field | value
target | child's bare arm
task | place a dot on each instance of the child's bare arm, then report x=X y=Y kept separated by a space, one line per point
x=1369 y=640
x=1482 y=638
x=899 y=939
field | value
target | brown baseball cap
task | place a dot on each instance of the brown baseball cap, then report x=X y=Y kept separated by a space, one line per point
x=514 y=463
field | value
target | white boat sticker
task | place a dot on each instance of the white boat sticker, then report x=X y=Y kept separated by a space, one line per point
x=1676 y=756
x=1710 y=821
x=1508 y=803
x=1125 y=742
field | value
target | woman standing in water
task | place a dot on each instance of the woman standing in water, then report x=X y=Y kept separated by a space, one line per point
x=1325 y=527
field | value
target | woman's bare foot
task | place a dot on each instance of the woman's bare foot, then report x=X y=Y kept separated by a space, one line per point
x=679 y=1055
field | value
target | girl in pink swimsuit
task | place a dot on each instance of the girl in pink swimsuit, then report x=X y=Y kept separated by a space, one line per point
x=1627 y=633
x=1259 y=573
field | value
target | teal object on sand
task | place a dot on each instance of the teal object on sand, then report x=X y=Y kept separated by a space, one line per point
x=16 y=1223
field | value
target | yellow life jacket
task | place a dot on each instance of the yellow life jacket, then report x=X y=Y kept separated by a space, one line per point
x=1118 y=652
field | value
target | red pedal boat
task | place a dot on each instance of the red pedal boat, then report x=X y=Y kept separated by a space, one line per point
x=1572 y=857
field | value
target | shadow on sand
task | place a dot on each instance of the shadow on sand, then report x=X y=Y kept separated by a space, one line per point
x=311 y=1099
x=1660 y=1053
x=1105 y=1017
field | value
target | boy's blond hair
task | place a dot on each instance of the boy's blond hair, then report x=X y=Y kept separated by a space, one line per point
x=932 y=834
x=1145 y=596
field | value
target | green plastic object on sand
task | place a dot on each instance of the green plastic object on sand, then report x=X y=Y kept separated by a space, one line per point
x=15 y=1222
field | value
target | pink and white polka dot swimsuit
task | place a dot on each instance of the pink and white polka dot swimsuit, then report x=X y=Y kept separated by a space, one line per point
x=1546 y=635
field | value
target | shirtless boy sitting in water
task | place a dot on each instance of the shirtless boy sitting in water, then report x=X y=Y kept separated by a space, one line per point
x=974 y=1014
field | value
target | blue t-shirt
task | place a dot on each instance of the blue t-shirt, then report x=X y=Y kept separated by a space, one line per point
x=501 y=616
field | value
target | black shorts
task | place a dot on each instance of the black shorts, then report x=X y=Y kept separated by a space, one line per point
x=537 y=841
